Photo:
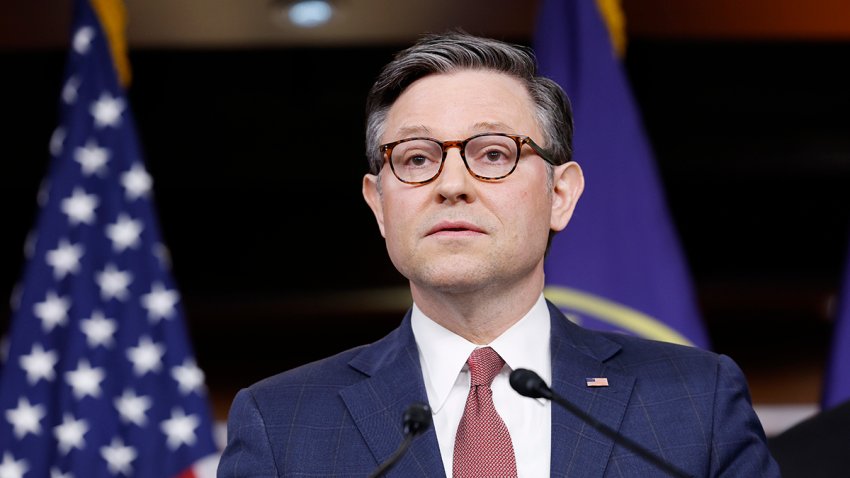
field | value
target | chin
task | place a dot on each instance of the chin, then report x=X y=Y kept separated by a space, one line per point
x=453 y=276
x=456 y=286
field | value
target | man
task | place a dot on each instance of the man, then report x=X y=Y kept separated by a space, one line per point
x=471 y=172
x=817 y=446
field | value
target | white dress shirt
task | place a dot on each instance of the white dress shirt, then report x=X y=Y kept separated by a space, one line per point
x=443 y=355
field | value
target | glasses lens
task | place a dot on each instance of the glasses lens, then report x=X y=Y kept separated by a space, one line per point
x=417 y=160
x=491 y=156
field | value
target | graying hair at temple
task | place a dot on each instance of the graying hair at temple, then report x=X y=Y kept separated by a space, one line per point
x=446 y=53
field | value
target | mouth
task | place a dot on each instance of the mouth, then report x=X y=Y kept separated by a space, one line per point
x=455 y=229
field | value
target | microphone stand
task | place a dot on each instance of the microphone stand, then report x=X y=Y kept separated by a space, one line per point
x=416 y=419
x=529 y=384
x=393 y=459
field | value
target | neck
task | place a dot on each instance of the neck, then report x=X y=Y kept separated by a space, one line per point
x=482 y=315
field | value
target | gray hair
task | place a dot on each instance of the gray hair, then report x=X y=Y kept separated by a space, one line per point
x=445 y=53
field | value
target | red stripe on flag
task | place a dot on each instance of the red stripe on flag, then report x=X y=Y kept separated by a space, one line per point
x=189 y=473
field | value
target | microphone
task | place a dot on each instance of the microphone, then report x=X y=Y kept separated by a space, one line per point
x=415 y=420
x=529 y=384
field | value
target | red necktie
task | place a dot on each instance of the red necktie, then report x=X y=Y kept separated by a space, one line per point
x=483 y=445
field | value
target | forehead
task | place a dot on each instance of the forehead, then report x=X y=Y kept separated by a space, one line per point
x=460 y=104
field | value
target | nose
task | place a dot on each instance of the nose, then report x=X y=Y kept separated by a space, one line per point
x=455 y=184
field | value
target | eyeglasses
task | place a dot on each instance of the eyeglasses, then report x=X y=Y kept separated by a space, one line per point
x=487 y=156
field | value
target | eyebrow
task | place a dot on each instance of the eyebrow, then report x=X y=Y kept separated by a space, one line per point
x=496 y=127
x=416 y=130
x=480 y=127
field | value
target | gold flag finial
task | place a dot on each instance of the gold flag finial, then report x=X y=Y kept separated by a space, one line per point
x=615 y=20
x=113 y=19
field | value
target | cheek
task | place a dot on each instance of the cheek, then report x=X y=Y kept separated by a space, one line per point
x=398 y=220
x=530 y=213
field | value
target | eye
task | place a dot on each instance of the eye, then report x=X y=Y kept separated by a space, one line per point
x=417 y=155
x=494 y=156
x=417 y=160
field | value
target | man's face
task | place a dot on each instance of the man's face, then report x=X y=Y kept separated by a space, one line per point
x=457 y=233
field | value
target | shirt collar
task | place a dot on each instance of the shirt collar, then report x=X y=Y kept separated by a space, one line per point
x=443 y=353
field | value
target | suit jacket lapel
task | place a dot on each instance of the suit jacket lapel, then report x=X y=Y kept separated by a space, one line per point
x=394 y=381
x=378 y=402
x=577 y=354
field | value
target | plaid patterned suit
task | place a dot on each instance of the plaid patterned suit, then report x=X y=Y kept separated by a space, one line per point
x=341 y=416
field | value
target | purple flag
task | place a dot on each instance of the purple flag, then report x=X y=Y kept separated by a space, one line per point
x=837 y=383
x=618 y=265
x=99 y=378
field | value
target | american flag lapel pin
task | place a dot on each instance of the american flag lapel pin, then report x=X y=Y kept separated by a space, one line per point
x=597 y=382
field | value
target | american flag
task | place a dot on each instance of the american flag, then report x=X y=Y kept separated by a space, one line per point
x=597 y=382
x=99 y=379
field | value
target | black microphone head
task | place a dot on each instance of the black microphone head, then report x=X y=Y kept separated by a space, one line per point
x=416 y=419
x=529 y=384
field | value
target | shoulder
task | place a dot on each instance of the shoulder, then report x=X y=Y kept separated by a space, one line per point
x=661 y=371
x=285 y=406
x=641 y=357
x=695 y=396
x=656 y=363
x=266 y=416
x=317 y=385
x=321 y=378
x=629 y=353
x=637 y=352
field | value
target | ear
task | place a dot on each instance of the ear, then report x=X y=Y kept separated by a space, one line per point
x=567 y=184
x=372 y=195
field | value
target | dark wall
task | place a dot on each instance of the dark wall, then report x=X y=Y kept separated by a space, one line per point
x=257 y=158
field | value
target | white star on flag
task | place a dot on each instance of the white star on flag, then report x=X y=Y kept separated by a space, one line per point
x=82 y=40
x=98 y=329
x=69 y=91
x=85 y=380
x=189 y=377
x=70 y=433
x=39 y=364
x=137 y=182
x=11 y=468
x=79 y=207
x=146 y=357
x=107 y=110
x=113 y=283
x=160 y=302
x=133 y=408
x=92 y=158
x=26 y=418
x=64 y=259
x=124 y=233
x=56 y=473
x=118 y=457
x=53 y=311
x=180 y=429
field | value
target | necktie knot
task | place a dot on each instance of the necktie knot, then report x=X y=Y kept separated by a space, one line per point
x=484 y=364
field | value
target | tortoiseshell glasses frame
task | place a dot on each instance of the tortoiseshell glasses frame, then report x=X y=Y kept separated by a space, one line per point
x=504 y=169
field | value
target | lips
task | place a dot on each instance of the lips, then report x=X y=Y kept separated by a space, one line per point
x=454 y=228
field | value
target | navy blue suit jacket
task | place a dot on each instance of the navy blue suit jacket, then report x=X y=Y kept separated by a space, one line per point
x=341 y=416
